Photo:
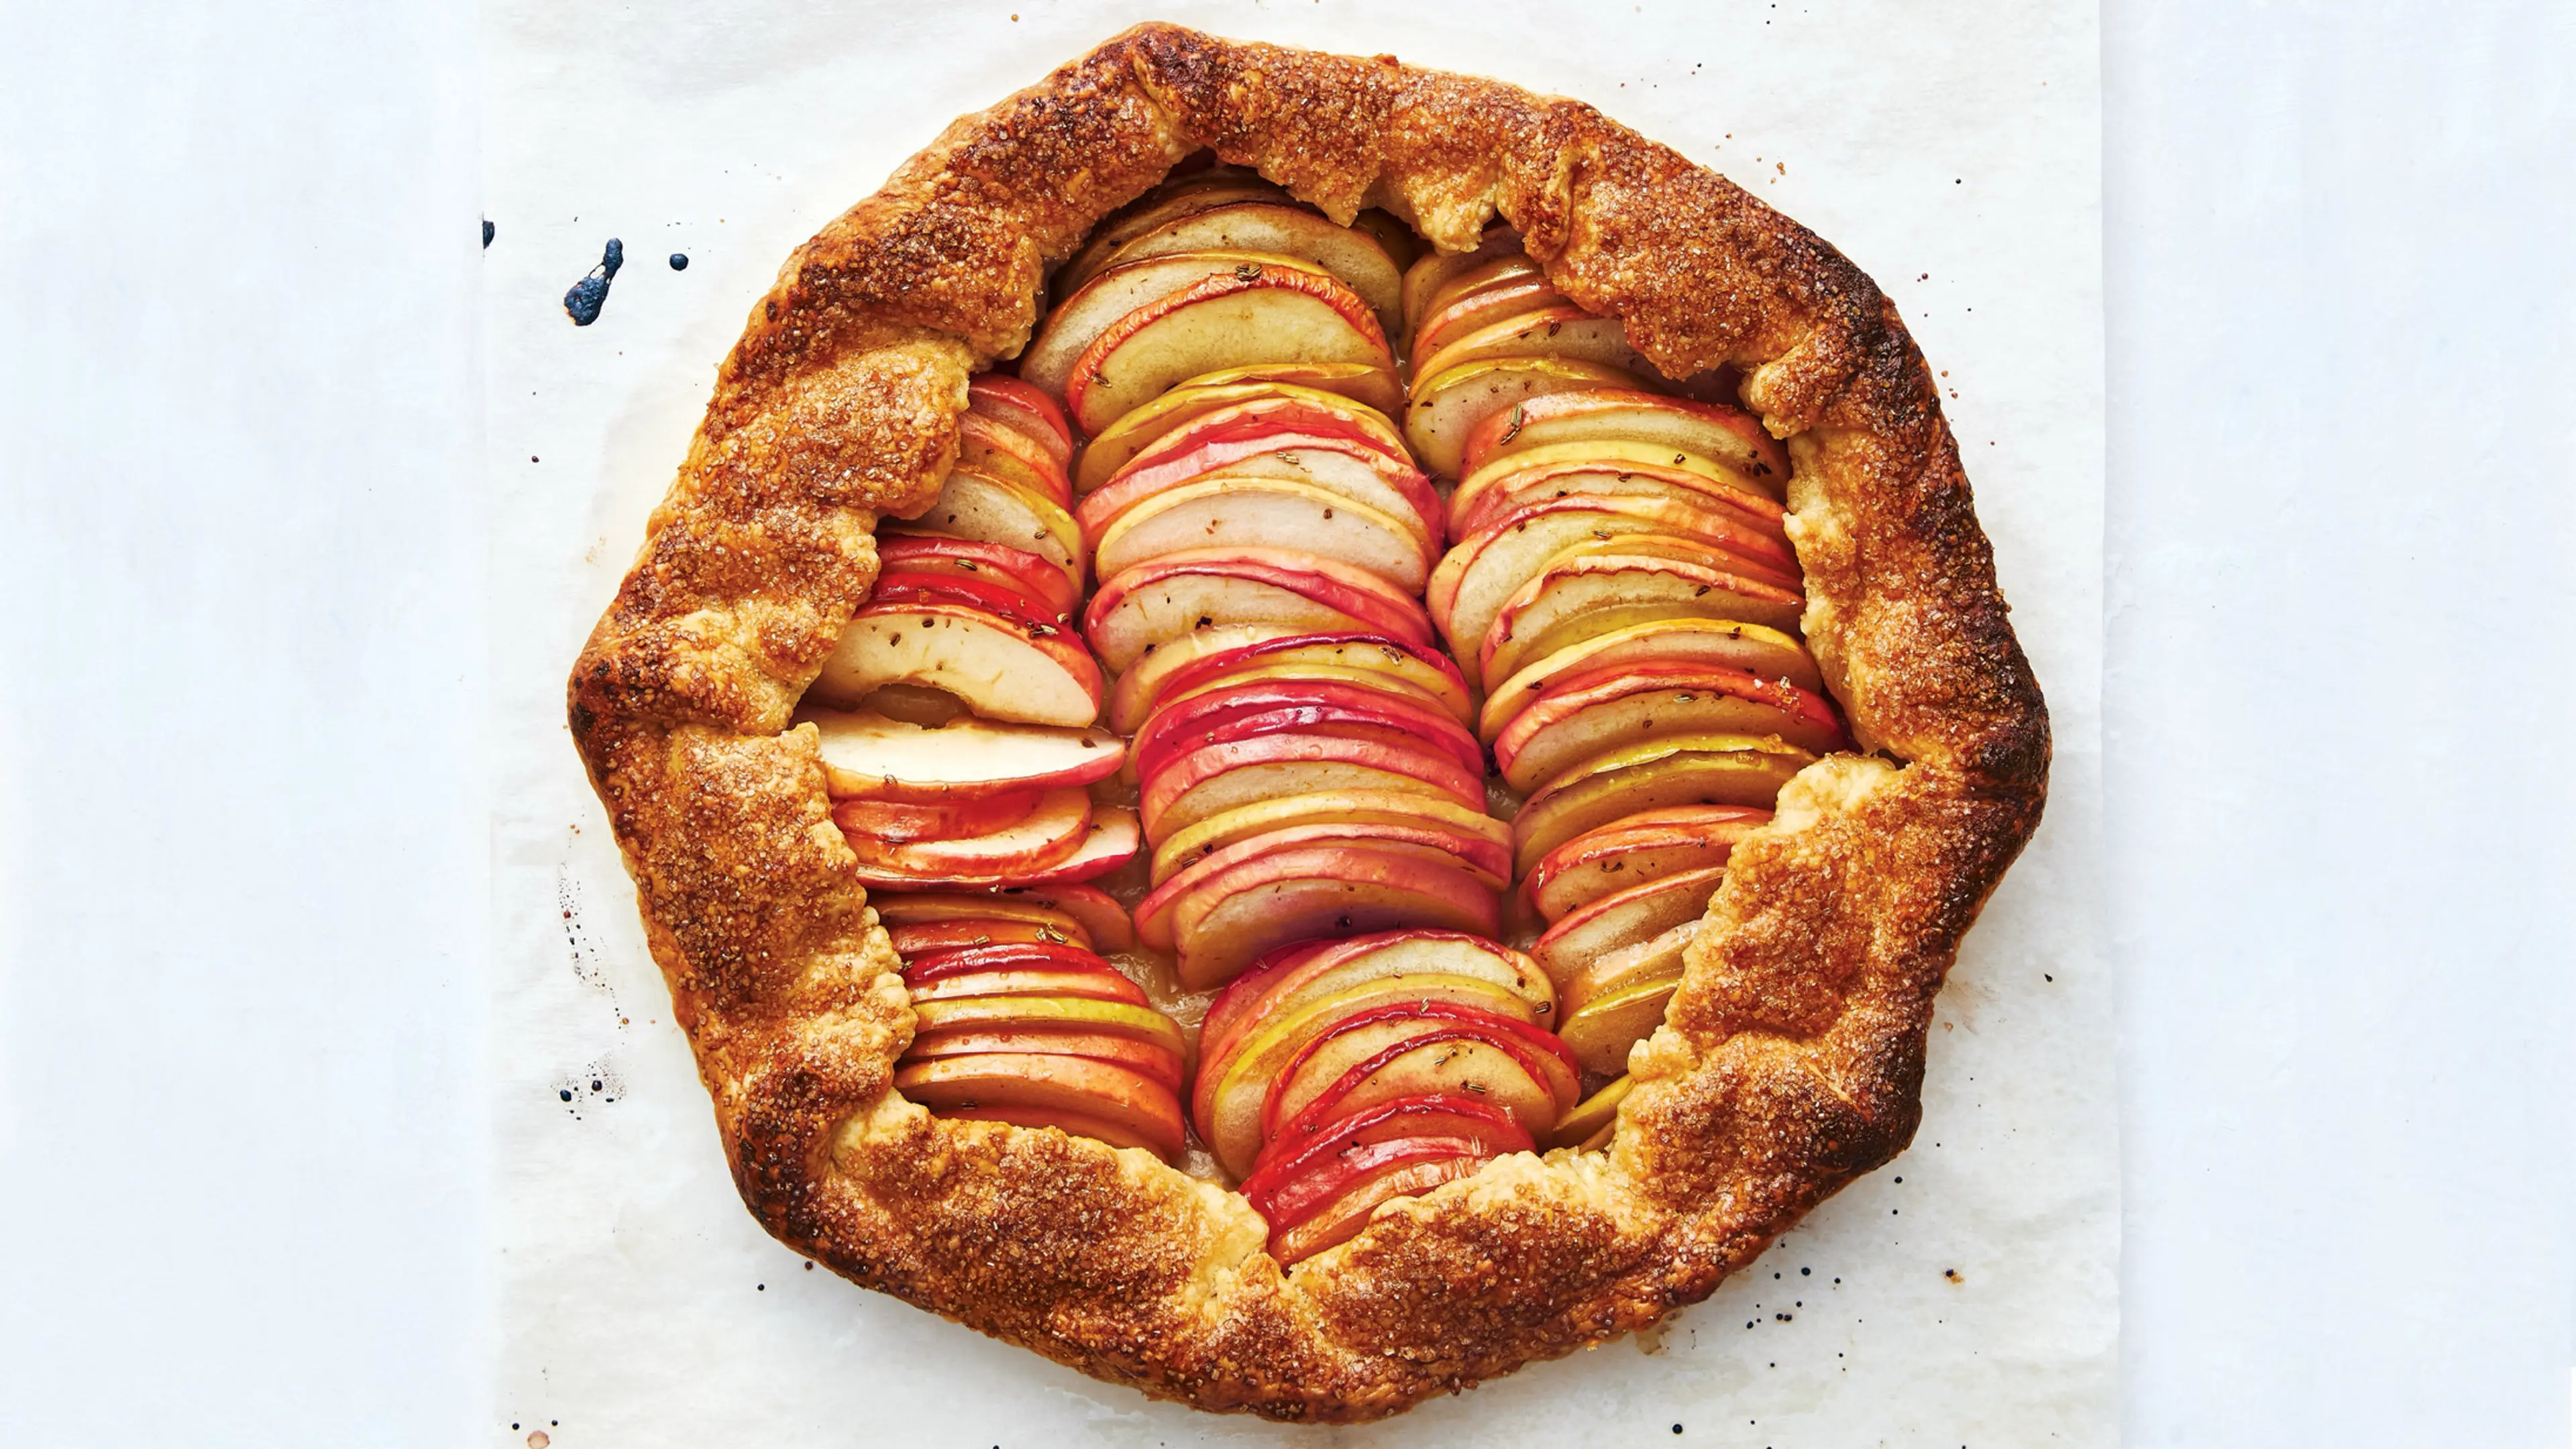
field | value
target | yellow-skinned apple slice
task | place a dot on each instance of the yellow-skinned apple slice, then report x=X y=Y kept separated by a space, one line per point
x=1115 y=292
x=1448 y=405
x=1275 y=706
x=1601 y=1033
x=1764 y=653
x=1634 y=850
x=1482 y=307
x=1608 y=469
x=1179 y=594
x=1437 y=269
x=1235 y=511
x=1108 y=843
x=976 y=506
x=1253 y=313
x=1582 y=594
x=1657 y=775
x=988 y=445
x=1488 y=866
x=1565 y=331
x=1219 y=777
x=896 y=823
x=1073 y=1124
x=1628 y=918
x=1350 y=1214
x=1050 y=833
x=1587 y=714
x=1214 y=657
x=1141 y=1111
x=1255 y=398
x=1255 y=226
x=1590 y=1125
x=1728 y=435
x=1286 y=983
x=972 y=558
x=1019 y=674
x=1656 y=958
x=1057 y=1013
x=1480 y=575
x=1022 y=405
x=1238 y=914
x=868 y=756
x=1230 y=1090
x=1399 y=240
x=1353 y=467
x=1474 y=828
x=1408 y=1049
x=1313 y=1139
x=1142 y=1057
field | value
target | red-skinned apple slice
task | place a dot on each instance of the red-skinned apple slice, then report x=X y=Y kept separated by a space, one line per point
x=974 y=506
x=1289 y=980
x=1117 y=292
x=1658 y=775
x=1355 y=468
x=1625 y=919
x=1051 y=833
x=1314 y=1138
x=989 y=445
x=1061 y=957
x=1144 y=1058
x=1592 y=1122
x=1293 y=1199
x=1351 y=1213
x=1581 y=595
x=1237 y=915
x=1013 y=673
x=1473 y=582
x=1490 y=868
x=1253 y=226
x=1447 y=406
x=1608 y=470
x=868 y=756
x=1186 y=668
x=1112 y=840
x=1271 y=706
x=1245 y=510
x=1588 y=713
x=973 y=558
x=1602 y=1032
x=1713 y=430
x=1474 y=828
x=908 y=908
x=1222 y=776
x=1024 y=406
x=929 y=938
x=1470 y=311
x=1154 y=210
x=897 y=824
x=1548 y=332
x=1634 y=850
x=1437 y=269
x=895 y=589
x=1143 y=1111
x=1099 y=913
x=1253 y=313
x=1378 y=1055
x=1513 y=269
x=1049 y=1013
x=1148 y=428
x=1231 y=1088
x=1098 y=984
x=1179 y=594
x=1726 y=644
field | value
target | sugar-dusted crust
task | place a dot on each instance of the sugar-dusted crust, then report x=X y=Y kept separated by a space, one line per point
x=1792 y=1059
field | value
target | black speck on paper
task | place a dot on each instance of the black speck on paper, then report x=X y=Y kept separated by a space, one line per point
x=588 y=295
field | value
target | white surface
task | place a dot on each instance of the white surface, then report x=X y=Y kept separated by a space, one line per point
x=1958 y=161
x=239 y=1006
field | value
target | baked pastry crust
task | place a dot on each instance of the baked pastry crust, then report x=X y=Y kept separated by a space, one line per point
x=1792 y=1057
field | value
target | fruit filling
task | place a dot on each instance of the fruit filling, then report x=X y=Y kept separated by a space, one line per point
x=1438 y=654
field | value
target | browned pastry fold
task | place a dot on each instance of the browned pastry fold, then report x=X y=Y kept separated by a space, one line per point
x=1792 y=1059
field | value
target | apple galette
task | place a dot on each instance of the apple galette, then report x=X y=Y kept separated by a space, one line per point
x=1301 y=730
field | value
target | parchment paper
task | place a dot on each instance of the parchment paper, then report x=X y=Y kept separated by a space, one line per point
x=1967 y=1294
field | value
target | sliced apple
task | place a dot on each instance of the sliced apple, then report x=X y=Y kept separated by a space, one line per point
x=871 y=757
x=1471 y=310
x=1730 y=435
x=1350 y=1214
x=1634 y=850
x=897 y=823
x=1352 y=467
x=1256 y=312
x=1656 y=958
x=932 y=938
x=1565 y=331
x=1000 y=598
x=1394 y=1053
x=1601 y=1033
x=1158 y=209
x=1219 y=777
x=1581 y=595
x=1133 y=695
x=1481 y=574
x=1050 y=1013
x=1474 y=828
x=1039 y=578
x=1310 y=1139
x=1437 y=269
x=1289 y=980
x=1115 y=292
x=1448 y=405
x=1589 y=713
x=986 y=444
x=1237 y=510
x=1237 y=915
x=1608 y=469
x=1658 y=775
x=1764 y=653
x=1321 y=1180
x=1141 y=1111
x=991 y=957
x=1274 y=706
x=1206 y=661
x=1263 y=399
x=1510 y=269
x=976 y=506
x=1099 y=985
x=1164 y=1067
x=1099 y=915
x=1179 y=594
x=1488 y=866
x=1015 y=673
x=1265 y=227
x=1024 y=406
x=1589 y=1126
x=1111 y=840
x=1625 y=919
x=1049 y=834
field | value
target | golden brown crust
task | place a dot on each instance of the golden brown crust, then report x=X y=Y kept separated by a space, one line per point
x=1792 y=1058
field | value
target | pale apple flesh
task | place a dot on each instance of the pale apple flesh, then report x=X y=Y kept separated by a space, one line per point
x=1169 y=598
x=1146 y=428
x=1474 y=829
x=1219 y=777
x=1257 y=226
x=1348 y=1215
x=1288 y=981
x=1633 y=850
x=1582 y=595
x=1005 y=672
x=1050 y=833
x=1589 y=713
x=1360 y=658
x=983 y=509
x=1351 y=467
x=1711 y=430
x=1487 y=863
x=1026 y=407
x=1236 y=916
x=974 y=558
x=1727 y=644
x=1248 y=510
x=1113 y=294
x=1625 y=919
x=1108 y=843
x=1141 y=1111
x=868 y=756
x=1448 y=405
x=1252 y=314
x=1677 y=770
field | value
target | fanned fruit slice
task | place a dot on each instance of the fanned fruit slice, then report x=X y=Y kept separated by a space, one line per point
x=1109 y=297
x=1592 y=589
x=1338 y=392
x=1216 y=657
x=868 y=756
x=1003 y=669
x=1628 y=918
x=1085 y=1096
x=1356 y=257
x=1726 y=644
x=1448 y=405
x=987 y=509
x=1243 y=510
x=1020 y=405
x=1607 y=470
x=1590 y=1124
x=1635 y=850
x=1474 y=829
x=1657 y=775
x=1168 y=598
x=1585 y=714
x=1253 y=314
x=1300 y=892
x=1727 y=435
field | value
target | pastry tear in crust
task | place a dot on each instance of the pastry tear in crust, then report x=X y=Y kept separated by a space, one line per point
x=1792 y=1057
